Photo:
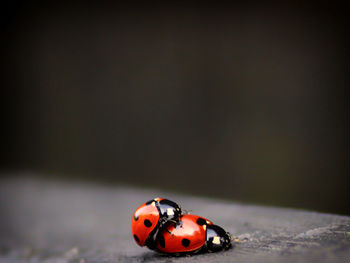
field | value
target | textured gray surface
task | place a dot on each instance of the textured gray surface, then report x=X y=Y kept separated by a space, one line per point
x=51 y=221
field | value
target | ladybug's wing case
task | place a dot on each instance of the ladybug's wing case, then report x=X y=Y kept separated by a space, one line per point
x=187 y=236
x=144 y=221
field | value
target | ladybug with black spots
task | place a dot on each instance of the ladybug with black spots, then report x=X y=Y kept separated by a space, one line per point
x=151 y=217
x=192 y=234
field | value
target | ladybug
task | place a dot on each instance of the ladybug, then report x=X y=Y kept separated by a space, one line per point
x=192 y=234
x=151 y=217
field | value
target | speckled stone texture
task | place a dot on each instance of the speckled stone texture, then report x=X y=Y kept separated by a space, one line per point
x=55 y=221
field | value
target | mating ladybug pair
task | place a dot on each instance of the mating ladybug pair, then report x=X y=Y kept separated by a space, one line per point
x=160 y=225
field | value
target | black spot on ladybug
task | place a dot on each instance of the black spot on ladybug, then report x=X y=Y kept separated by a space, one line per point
x=201 y=221
x=136 y=217
x=147 y=223
x=136 y=239
x=185 y=242
x=162 y=241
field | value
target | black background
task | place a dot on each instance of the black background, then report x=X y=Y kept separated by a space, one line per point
x=245 y=101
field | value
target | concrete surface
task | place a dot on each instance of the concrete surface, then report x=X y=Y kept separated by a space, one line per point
x=54 y=221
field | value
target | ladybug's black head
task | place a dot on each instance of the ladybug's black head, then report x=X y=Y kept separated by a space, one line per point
x=217 y=239
x=169 y=210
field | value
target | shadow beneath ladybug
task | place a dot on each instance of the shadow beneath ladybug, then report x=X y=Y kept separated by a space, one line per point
x=153 y=256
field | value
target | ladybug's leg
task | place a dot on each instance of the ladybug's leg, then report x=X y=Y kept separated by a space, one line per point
x=234 y=239
x=162 y=221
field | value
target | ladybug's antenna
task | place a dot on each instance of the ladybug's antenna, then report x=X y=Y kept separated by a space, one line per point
x=169 y=232
x=233 y=238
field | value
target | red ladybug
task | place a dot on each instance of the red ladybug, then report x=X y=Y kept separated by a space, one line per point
x=152 y=216
x=193 y=234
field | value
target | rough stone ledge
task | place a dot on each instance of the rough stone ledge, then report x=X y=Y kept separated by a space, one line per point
x=54 y=221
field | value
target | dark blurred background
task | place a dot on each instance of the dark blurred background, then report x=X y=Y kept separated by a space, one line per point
x=244 y=102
